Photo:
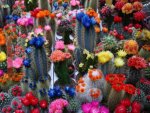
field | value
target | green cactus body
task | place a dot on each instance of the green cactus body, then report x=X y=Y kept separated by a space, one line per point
x=44 y=4
x=74 y=105
x=5 y=99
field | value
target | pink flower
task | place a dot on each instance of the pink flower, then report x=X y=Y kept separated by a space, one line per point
x=59 y=15
x=95 y=103
x=71 y=47
x=9 y=62
x=67 y=55
x=47 y=28
x=38 y=31
x=59 y=45
x=74 y=2
x=17 y=63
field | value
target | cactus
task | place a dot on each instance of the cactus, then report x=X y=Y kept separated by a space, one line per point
x=73 y=106
x=139 y=96
x=30 y=4
x=94 y=4
x=86 y=37
x=5 y=99
x=44 y=4
x=36 y=72
x=147 y=73
x=109 y=43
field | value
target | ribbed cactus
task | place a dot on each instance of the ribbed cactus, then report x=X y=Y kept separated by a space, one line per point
x=147 y=73
x=139 y=96
x=86 y=37
x=73 y=106
x=109 y=42
x=94 y=4
x=36 y=70
x=44 y=4
x=5 y=99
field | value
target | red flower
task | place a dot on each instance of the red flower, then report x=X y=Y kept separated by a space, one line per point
x=129 y=88
x=118 y=86
x=119 y=5
x=121 y=77
x=117 y=19
x=137 y=62
x=136 y=105
x=126 y=102
x=111 y=78
x=137 y=26
x=120 y=109
x=139 y=16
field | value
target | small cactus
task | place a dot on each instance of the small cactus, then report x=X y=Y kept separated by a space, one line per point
x=5 y=99
x=73 y=106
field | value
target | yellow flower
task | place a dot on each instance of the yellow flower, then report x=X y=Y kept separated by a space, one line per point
x=119 y=62
x=121 y=53
x=90 y=56
x=2 y=56
x=91 y=67
x=86 y=52
x=104 y=56
x=81 y=65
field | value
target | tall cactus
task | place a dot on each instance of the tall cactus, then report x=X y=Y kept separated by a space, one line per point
x=94 y=4
x=44 y=4
x=86 y=37
x=36 y=67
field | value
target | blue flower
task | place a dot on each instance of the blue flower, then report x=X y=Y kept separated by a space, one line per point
x=28 y=50
x=51 y=93
x=59 y=93
x=15 y=17
x=65 y=5
x=79 y=16
x=32 y=85
x=57 y=88
x=55 y=5
x=93 y=21
x=71 y=92
x=27 y=62
x=39 y=42
x=67 y=89
x=32 y=41
x=86 y=21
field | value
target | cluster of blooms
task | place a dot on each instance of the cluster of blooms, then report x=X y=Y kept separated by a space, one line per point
x=20 y=4
x=15 y=91
x=24 y=21
x=117 y=82
x=137 y=62
x=38 y=13
x=31 y=100
x=125 y=104
x=61 y=46
x=58 y=56
x=131 y=47
x=86 y=88
x=16 y=63
x=104 y=56
x=94 y=107
x=89 y=18
x=58 y=105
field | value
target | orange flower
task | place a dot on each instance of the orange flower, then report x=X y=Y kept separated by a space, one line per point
x=52 y=15
x=105 y=30
x=137 y=6
x=98 y=20
x=59 y=1
x=81 y=80
x=127 y=8
x=97 y=29
x=95 y=93
x=95 y=74
x=131 y=47
x=146 y=47
x=91 y=13
x=80 y=88
x=2 y=39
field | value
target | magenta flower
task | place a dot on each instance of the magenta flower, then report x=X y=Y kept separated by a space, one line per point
x=74 y=2
x=86 y=107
